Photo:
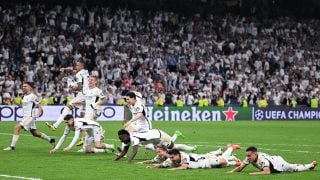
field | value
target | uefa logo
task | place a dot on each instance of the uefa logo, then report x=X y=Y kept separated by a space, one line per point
x=258 y=115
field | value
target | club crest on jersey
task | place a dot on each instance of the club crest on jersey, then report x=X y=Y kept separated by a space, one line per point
x=137 y=109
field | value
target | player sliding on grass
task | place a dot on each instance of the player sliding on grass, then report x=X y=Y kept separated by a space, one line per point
x=180 y=160
x=149 y=138
x=162 y=155
x=270 y=164
x=29 y=101
x=94 y=134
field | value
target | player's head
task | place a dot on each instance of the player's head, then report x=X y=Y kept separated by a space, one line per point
x=27 y=87
x=124 y=136
x=252 y=154
x=174 y=155
x=93 y=81
x=131 y=98
x=79 y=65
x=69 y=120
x=161 y=150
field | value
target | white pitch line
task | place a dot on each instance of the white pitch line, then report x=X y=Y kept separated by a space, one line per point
x=18 y=177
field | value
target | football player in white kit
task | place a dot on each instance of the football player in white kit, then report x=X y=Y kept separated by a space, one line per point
x=29 y=102
x=81 y=86
x=162 y=155
x=179 y=160
x=151 y=137
x=93 y=99
x=139 y=121
x=94 y=135
x=268 y=164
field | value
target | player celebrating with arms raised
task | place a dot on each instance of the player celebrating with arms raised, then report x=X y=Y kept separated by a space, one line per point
x=81 y=86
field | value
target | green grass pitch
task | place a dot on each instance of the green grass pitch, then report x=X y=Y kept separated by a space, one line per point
x=296 y=141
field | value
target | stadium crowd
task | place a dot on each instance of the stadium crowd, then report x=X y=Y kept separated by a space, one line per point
x=161 y=54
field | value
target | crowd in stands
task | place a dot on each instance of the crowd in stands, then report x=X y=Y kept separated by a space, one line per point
x=162 y=54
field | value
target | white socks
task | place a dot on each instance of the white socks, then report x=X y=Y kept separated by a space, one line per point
x=14 y=140
x=45 y=137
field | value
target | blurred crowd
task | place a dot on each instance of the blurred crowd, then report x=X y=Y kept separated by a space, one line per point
x=162 y=54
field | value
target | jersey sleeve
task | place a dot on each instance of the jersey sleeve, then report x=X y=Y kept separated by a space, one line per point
x=138 y=108
x=63 y=137
x=36 y=99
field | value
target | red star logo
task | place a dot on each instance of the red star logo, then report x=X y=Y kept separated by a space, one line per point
x=230 y=114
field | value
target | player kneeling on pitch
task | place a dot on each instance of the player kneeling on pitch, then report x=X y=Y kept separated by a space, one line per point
x=94 y=135
x=179 y=160
x=270 y=164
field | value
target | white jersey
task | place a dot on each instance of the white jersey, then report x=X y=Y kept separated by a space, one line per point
x=92 y=128
x=91 y=97
x=275 y=163
x=28 y=103
x=139 y=107
x=185 y=159
x=83 y=77
x=153 y=136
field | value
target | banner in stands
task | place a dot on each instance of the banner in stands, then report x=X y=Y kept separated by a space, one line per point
x=285 y=113
x=193 y=113
x=51 y=113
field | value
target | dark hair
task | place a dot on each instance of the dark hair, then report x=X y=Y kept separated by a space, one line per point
x=80 y=61
x=162 y=146
x=122 y=132
x=174 y=152
x=29 y=83
x=68 y=117
x=131 y=95
x=252 y=148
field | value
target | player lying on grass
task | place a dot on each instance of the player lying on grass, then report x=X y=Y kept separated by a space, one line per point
x=94 y=134
x=162 y=155
x=149 y=138
x=270 y=164
x=180 y=160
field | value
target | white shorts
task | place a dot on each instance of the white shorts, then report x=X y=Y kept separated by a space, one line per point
x=165 y=139
x=283 y=166
x=140 y=127
x=28 y=123
x=94 y=135
x=204 y=163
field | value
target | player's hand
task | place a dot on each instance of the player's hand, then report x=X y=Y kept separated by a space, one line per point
x=66 y=149
x=52 y=151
